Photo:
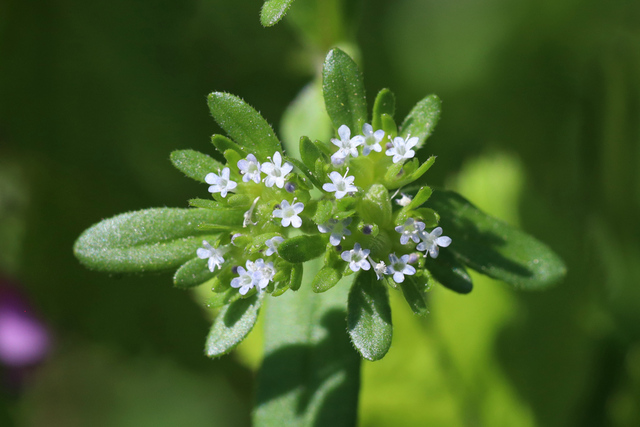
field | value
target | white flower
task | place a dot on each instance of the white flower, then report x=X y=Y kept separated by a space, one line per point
x=402 y=150
x=272 y=245
x=289 y=214
x=340 y=184
x=347 y=146
x=338 y=230
x=276 y=171
x=410 y=230
x=263 y=273
x=220 y=183
x=399 y=267
x=431 y=241
x=250 y=169
x=404 y=200
x=244 y=281
x=380 y=268
x=214 y=255
x=357 y=258
x=371 y=139
x=257 y=274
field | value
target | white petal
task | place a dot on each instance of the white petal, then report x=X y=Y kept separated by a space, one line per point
x=367 y=129
x=398 y=277
x=277 y=213
x=277 y=159
x=346 y=256
x=364 y=264
x=296 y=221
x=212 y=264
x=286 y=169
x=344 y=132
x=436 y=232
x=433 y=251
x=245 y=289
x=334 y=239
x=443 y=241
x=298 y=207
x=286 y=221
x=211 y=178
x=357 y=140
x=329 y=187
x=409 y=270
x=378 y=135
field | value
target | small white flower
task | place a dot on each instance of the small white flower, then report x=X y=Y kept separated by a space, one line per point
x=220 y=183
x=250 y=169
x=347 y=146
x=263 y=273
x=404 y=200
x=400 y=267
x=257 y=274
x=214 y=255
x=410 y=230
x=276 y=171
x=357 y=258
x=401 y=149
x=371 y=139
x=431 y=241
x=338 y=230
x=244 y=281
x=340 y=184
x=289 y=214
x=272 y=245
x=380 y=268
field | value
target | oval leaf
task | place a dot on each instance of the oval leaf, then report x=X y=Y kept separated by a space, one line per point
x=301 y=248
x=244 y=124
x=385 y=103
x=493 y=247
x=422 y=119
x=194 y=164
x=343 y=90
x=273 y=11
x=148 y=240
x=233 y=324
x=449 y=272
x=369 y=317
x=326 y=279
x=192 y=273
x=296 y=276
x=414 y=292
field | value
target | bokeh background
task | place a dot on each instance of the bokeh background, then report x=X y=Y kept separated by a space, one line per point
x=540 y=127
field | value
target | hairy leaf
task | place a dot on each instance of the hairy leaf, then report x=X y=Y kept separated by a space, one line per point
x=422 y=119
x=194 y=164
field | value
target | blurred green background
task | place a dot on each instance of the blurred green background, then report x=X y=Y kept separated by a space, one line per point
x=540 y=127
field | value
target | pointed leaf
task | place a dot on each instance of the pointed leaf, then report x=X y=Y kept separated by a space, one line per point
x=309 y=153
x=343 y=90
x=233 y=324
x=194 y=164
x=449 y=272
x=413 y=289
x=422 y=119
x=273 y=11
x=385 y=103
x=148 y=240
x=244 y=124
x=369 y=316
x=192 y=273
x=301 y=248
x=493 y=247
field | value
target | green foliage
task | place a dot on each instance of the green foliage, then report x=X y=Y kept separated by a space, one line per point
x=385 y=103
x=273 y=11
x=414 y=290
x=301 y=248
x=422 y=119
x=194 y=164
x=369 y=318
x=192 y=273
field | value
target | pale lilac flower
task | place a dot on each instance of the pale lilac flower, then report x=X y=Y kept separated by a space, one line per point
x=263 y=273
x=410 y=230
x=404 y=200
x=347 y=146
x=214 y=255
x=276 y=171
x=357 y=258
x=245 y=279
x=401 y=149
x=258 y=274
x=289 y=214
x=431 y=241
x=400 y=267
x=371 y=139
x=250 y=169
x=340 y=184
x=220 y=183
x=272 y=245
x=338 y=230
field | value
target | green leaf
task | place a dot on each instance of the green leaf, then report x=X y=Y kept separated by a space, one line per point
x=422 y=119
x=309 y=153
x=233 y=324
x=449 y=272
x=385 y=103
x=369 y=317
x=303 y=168
x=296 y=276
x=149 y=240
x=310 y=374
x=421 y=197
x=323 y=212
x=205 y=203
x=423 y=168
x=244 y=124
x=222 y=144
x=301 y=248
x=194 y=164
x=273 y=11
x=493 y=247
x=343 y=90
x=326 y=279
x=389 y=125
x=220 y=299
x=414 y=292
x=375 y=206
x=192 y=273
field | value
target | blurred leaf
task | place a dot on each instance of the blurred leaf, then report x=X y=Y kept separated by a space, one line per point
x=375 y=206
x=422 y=119
x=301 y=248
x=233 y=324
x=296 y=276
x=493 y=247
x=449 y=272
x=414 y=292
x=205 y=203
x=244 y=124
x=369 y=316
x=148 y=240
x=192 y=273
x=326 y=279
x=220 y=299
x=273 y=11
x=385 y=103
x=343 y=90
x=309 y=153
x=194 y=164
